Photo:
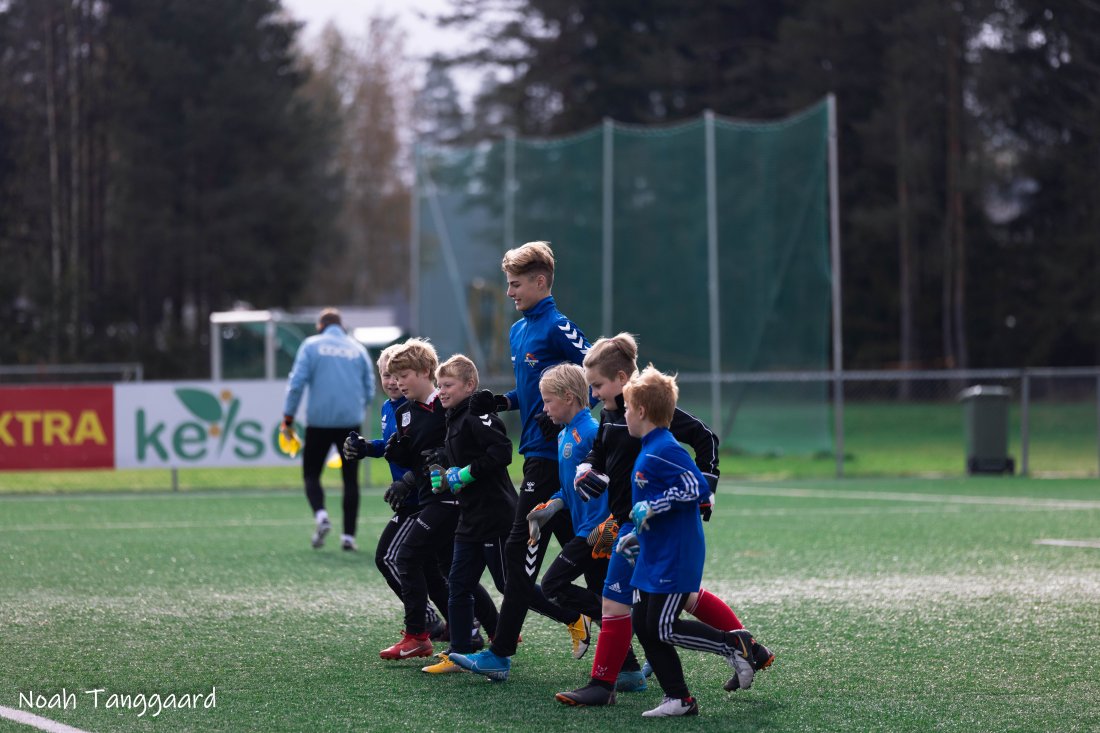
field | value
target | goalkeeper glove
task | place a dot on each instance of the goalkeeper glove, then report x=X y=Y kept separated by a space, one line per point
x=399 y=490
x=547 y=427
x=539 y=516
x=639 y=514
x=484 y=402
x=453 y=478
x=602 y=538
x=706 y=506
x=590 y=484
x=629 y=547
x=355 y=447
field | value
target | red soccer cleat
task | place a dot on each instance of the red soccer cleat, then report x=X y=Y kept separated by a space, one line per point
x=409 y=647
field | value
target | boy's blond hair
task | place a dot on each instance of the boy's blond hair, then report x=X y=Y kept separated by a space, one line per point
x=384 y=358
x=533 y=258
x=609 y=356
x=655 y=393
x=415 y=354
x=460 y=367
x=567 y=382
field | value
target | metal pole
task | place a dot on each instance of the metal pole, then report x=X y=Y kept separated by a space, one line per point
x=834 y=256
x=509 y=191
x=608 y=222
x=1025 y=422
x=269 y=348
x=712 y=271
x=1098 y=421
x=414 y=246
x=215 y=352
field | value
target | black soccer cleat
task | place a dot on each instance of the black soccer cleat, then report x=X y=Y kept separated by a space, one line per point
x=591 y=695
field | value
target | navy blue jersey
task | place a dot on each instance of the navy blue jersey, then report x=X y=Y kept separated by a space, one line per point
x=614 y=451
x=541 y=339
x=574 y=442
x=672 y=549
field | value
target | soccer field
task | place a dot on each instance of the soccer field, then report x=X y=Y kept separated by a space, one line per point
x=891 y=605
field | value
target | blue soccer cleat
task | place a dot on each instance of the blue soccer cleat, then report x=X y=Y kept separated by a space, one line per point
x=630 y=682
x=647 y=669
x=484 y=663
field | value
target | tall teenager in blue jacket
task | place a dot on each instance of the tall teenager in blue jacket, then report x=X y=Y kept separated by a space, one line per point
x=338 y=373
x=542 y=338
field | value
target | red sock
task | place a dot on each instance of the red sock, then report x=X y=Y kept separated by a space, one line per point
x=713 y=611
x=612 y=645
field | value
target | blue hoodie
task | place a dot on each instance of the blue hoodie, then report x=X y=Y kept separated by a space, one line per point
x=338 y=372
x=541 y=339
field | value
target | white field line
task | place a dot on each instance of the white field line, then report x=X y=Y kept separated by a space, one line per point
x=36 y=721
x=957 y=499
x=1070 y=543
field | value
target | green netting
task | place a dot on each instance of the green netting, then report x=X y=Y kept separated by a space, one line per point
x=650 y=213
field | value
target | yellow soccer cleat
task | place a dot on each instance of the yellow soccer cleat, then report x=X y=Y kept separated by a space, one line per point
x=580 y=633
x=443 y=666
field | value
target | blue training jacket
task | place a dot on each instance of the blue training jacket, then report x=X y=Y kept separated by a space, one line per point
x=376 y=448
x=338 y=372
x=574 y=442
x=672 y=549
x=541 y=339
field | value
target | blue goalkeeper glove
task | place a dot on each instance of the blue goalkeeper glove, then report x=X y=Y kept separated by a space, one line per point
x=639 y=514
x=629 y=547
x=453 y=478
x=589 y=483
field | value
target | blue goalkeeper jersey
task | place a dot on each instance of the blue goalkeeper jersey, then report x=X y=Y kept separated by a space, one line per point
x=541 y=339
x=672 y=549
x=574 y=442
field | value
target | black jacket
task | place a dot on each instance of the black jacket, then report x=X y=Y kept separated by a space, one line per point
x=481 y=442
x=614 y=452
x=421 y=426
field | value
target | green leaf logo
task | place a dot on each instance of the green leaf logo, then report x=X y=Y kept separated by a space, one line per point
x=202 y=405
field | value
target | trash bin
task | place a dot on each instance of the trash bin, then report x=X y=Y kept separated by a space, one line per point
x=986 y=412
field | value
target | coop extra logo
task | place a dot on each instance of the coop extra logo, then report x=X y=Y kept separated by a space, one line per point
x=216 y=425
x=56 y=427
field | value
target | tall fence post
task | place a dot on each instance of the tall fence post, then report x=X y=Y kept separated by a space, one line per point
x=608 y=278
x=414 y=246
x=712 y=272
x=834 y=256
x=1025 y=422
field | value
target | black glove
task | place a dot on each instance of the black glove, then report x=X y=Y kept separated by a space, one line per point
x=355 y=447
x=392 y=451
x=483 y=402
x=706 y=508
x=399 y=490
x=436 y=456
x=547 y=427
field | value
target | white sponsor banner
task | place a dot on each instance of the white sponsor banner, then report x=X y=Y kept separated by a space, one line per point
x=184 y=424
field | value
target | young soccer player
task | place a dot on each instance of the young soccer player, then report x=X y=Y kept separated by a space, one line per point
x=667 y=548
x=424 y=554
x=565 y=400
x=385 y=554
x=542 y=338
x=608 y=366
x=474 y=470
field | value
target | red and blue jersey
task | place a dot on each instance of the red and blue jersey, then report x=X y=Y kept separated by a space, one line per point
x=673 y=548
x=541 y=339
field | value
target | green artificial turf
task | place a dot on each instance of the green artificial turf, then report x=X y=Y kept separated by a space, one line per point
x=891 y=605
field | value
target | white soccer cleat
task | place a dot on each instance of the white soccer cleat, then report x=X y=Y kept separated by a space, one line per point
x=323 y=528
x=672 y=707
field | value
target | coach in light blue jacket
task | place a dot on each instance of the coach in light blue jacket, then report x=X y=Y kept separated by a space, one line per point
x=337 y=370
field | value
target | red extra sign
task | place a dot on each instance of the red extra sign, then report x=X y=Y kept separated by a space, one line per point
x=56 y=427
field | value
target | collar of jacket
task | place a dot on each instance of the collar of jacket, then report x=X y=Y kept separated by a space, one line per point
x=459 y=408
x=540 y=308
